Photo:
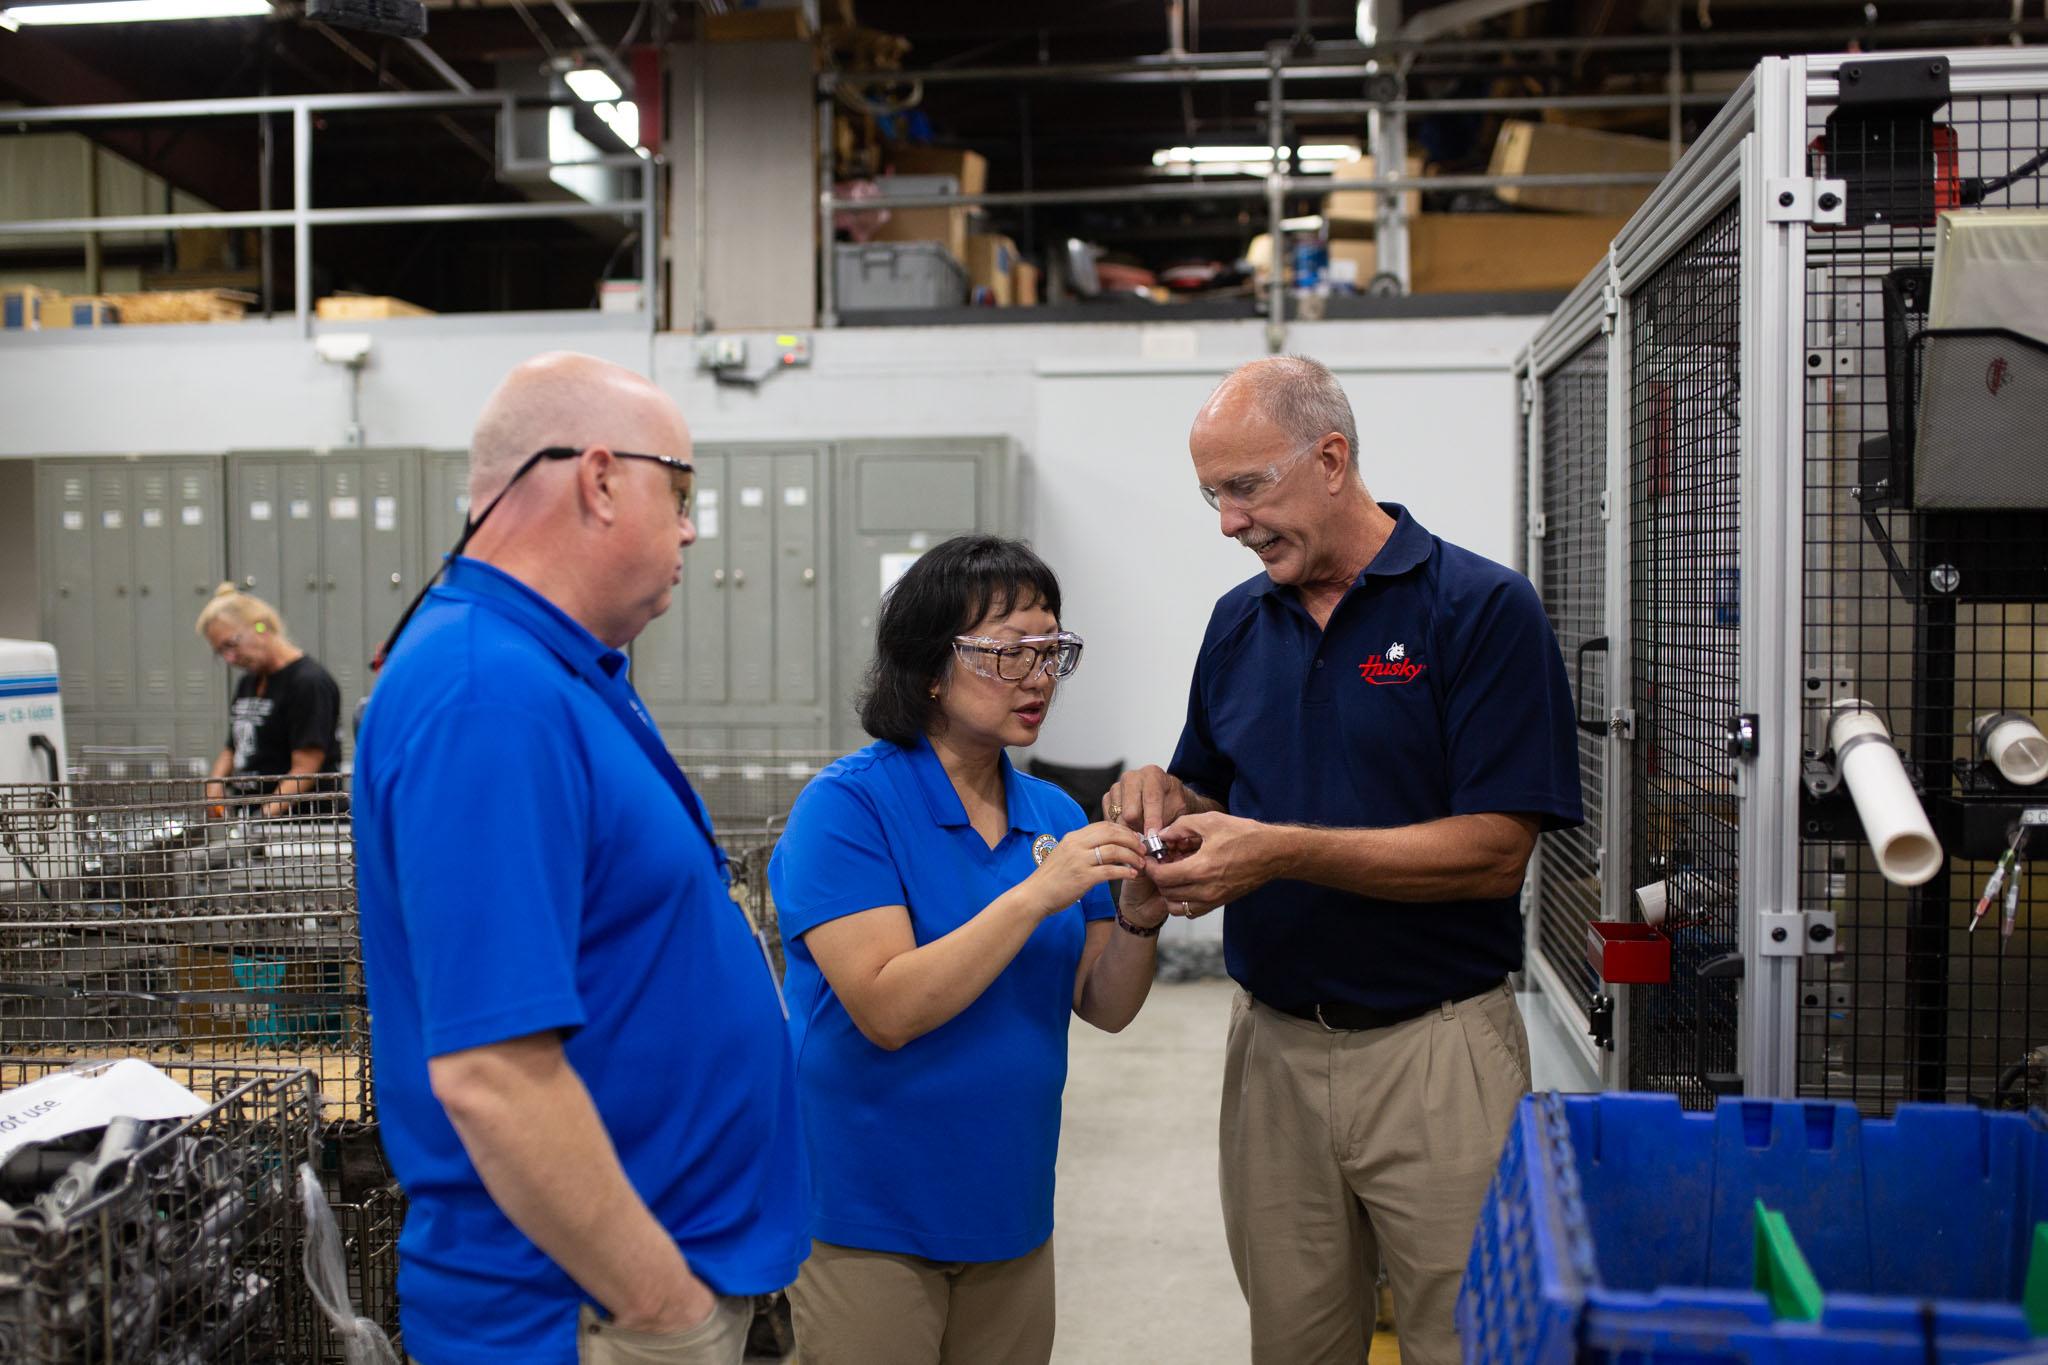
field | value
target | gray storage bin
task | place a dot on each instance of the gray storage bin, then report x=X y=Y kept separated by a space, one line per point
x=897 y=275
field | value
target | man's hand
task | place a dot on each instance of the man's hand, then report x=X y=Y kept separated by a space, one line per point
x=690 y=1308
x=1149 y=799
x=1218 y=858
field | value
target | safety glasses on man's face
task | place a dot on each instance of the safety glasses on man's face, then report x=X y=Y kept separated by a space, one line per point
x=1242 y=492
x=1017 y=660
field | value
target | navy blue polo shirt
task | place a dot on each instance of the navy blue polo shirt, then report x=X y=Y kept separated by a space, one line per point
x=526 y=866
x=1436 y=689
x=945 y=1147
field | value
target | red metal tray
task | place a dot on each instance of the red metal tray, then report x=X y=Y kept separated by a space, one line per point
x=1628 y=954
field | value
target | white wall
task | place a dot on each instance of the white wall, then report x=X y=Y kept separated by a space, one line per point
x=1101 y=409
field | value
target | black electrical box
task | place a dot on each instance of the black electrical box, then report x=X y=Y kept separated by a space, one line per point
x=398 y=18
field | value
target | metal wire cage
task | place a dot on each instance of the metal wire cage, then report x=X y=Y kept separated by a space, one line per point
x=173 y=1241
x=160 y=918
x=1835 y=475
x=749 y=793
x=1925 y=593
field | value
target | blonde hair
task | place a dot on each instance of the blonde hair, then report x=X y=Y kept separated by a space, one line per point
x=242 y=610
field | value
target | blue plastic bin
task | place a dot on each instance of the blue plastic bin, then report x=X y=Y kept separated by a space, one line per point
x=1620 y=1229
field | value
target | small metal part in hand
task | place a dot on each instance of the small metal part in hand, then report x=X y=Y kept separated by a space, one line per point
x=1155 y=847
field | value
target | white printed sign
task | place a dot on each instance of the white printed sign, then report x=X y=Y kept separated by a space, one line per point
x=259 y=511
x=707 y=523
x=111 y=518
x=152 y=517
x=895 y=564
x=752 y=497
x=301 y=509
x=343 y=509
x=80 y=1098
x=384 y=513
x=74 y=520
x=796 y=495
x=192 y=514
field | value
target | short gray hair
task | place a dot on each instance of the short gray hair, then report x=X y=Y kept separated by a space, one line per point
x=1301 y=397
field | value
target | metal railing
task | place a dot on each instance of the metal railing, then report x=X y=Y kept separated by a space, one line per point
x=302 y=217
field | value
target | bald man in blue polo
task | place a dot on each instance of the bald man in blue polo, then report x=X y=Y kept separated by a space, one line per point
x=1378 y=729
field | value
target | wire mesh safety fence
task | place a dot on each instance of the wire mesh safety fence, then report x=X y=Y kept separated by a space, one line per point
x=1925 y=590
x=1685 y=656
x=171 y=1241
x=1572 y=582
x=185 y=923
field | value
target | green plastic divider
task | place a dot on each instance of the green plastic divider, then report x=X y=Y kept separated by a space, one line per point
x=2036 y=1301
x=1783 y=1276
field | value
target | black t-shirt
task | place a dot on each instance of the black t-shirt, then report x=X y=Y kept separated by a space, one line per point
x=300 y=708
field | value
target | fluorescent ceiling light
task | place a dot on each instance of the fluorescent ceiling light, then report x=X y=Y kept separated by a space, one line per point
x=1224 y=155
x=132 y=11
x=1368 y=22
x=592 y=84
x=622 y=118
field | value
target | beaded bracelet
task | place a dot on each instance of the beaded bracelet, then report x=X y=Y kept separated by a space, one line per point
x=1137 y=929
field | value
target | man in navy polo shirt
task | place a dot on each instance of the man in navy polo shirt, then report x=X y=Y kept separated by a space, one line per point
x=583 y=1076
x=1379 y=728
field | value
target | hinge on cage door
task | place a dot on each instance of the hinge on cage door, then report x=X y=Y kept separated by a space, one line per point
x=1621 y=722
x=1528 y=393
x=1610 y=307
x=1805 y=199
x=1603 y=506
x=1539 y=526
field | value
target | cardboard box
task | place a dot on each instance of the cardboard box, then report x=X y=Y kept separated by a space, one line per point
x=182 y=305
x=24 y=306
x=968 y=168
x=764 y=21
x=991 y=270
x=1465 y=253
x=1526 y=148
x=1362 y=252
x=81 y=310
x=1024 y=283
x=1353 y=213
x=365 y=307
x=947 y=227
x=268 y=998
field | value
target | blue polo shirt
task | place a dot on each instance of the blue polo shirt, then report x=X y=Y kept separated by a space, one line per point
x=945 y=1147
x=526 y=866
x=1436 y=689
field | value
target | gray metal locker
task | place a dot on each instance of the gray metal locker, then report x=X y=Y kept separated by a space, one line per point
x=333 y=542
x=130 y=548
x=444 y=506
x=895 y=500
x=64 y=547
x=739 y=659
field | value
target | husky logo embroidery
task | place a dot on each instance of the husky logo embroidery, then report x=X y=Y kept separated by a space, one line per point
x=1392 y=669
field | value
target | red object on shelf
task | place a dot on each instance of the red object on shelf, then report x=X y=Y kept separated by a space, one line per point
x=1628 y=954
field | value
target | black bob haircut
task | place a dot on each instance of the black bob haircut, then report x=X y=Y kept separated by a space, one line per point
x=951 y=588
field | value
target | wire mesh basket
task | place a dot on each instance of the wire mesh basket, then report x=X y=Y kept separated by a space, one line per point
x=151 y=916
x=172 y=1241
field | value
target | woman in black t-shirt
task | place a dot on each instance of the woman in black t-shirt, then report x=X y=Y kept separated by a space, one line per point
x=286 y=711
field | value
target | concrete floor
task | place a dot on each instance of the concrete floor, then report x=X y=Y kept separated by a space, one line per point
x=1143 y=1272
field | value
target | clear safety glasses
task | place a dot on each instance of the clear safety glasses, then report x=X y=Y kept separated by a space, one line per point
x=1016 y=660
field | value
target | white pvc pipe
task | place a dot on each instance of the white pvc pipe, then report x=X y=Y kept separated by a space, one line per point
x=1901 y=839
x=2015 y=746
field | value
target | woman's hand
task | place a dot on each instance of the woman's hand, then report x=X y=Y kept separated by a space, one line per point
x=1089 y=857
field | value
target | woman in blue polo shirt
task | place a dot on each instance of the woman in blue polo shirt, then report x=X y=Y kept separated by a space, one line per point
x=943 y=915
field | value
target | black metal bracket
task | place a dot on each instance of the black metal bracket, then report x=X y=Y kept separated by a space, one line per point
x=1600 y=1021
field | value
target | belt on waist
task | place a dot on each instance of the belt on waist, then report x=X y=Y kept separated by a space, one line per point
x=1341 y=1016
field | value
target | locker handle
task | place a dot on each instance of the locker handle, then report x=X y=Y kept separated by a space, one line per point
x=143 y=590
x=250 y=581
x=810 y=576
x=330 y=585
x=395 y=580
x=312 y=585
x=120 y=590
x=739 y=578
x=1598 y=644
x=718 y=578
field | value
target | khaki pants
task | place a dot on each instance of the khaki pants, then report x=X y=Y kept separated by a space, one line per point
x=856 y=1307
x=1342 y=1150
